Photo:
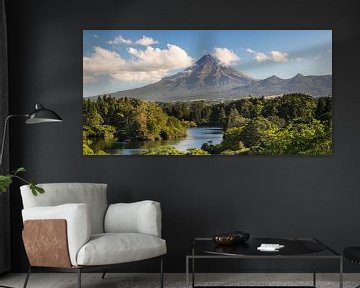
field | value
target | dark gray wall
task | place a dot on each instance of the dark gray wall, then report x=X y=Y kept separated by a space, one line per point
x=268 y=196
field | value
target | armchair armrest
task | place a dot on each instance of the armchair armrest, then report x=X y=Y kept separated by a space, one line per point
x=138 y=217
x=77 y=217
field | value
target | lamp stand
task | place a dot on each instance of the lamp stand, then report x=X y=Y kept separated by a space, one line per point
x=2 y=152
x=4 y=135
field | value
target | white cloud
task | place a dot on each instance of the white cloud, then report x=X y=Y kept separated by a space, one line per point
x=261 y=57
x=276 y=56
x=119 y=40
x=146 y=41
x=96 y=36
x=279 y=56
x=225 y=56
x=101 y=61
x=172 y=57
x=150 y=64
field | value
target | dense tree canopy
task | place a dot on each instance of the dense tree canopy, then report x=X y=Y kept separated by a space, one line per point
x=128 y=120
x=290 y=124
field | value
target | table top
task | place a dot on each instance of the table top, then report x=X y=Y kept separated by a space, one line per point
x=293 y=247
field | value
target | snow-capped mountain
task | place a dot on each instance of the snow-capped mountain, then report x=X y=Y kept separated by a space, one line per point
x=209 y=79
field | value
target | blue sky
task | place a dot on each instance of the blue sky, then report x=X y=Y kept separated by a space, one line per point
x=115 y=60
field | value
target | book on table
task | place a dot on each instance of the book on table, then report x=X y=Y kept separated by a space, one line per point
x=270 y=247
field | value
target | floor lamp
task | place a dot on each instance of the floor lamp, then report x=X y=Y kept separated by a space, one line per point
x=39 y=115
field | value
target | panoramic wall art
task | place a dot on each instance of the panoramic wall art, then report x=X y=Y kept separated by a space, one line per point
x=207 y=92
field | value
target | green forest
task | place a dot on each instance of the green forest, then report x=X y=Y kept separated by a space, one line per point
x=293 y=124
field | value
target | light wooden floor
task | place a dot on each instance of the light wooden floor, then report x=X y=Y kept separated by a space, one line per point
x=68 y=280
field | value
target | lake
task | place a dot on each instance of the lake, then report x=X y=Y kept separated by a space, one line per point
x=195 y=138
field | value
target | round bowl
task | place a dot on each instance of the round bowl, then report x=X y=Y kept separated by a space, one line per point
x=225 y=239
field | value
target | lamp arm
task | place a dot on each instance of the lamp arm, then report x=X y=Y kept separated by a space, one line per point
x=4 y=134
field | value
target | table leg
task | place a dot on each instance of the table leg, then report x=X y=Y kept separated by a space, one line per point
x=193 y=267
x=193 y=272
x=187 y=272
x=314 y=271
x=341 y=273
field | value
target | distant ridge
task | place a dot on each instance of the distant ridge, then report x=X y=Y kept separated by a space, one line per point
x=209 y=79
x=314 y=85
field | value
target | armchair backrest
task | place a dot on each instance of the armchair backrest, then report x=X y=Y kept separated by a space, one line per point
x=92 y=194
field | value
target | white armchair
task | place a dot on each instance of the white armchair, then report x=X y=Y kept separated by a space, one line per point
x=72 y=228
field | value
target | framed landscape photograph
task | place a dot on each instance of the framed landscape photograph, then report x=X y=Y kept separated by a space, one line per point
x=207 y=92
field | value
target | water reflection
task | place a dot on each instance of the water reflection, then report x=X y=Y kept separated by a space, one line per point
x=195 y=138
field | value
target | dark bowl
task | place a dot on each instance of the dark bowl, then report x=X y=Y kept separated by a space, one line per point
x=225 y=239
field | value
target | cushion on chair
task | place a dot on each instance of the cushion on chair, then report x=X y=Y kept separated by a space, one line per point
x=113 y=248
x=352 y=253
x=77 y=216
x=92 y=194
x=137 y=217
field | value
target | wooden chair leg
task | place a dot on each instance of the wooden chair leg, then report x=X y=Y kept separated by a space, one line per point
x=27 y=277
x=79 y=277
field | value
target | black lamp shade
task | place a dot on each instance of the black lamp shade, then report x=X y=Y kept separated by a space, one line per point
x=42 y=115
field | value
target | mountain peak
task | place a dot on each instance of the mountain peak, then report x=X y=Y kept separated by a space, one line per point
x=299 y=75
x=208 y=58
x=274 y=77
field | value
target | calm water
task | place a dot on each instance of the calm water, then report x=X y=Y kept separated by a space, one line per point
x=195 y=138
